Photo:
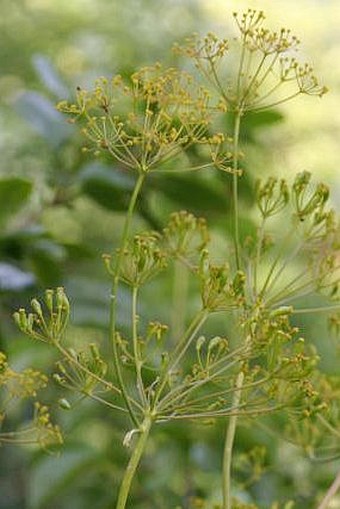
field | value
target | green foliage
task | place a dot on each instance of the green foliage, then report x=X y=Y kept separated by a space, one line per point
x=145 y=125
x=14 y=193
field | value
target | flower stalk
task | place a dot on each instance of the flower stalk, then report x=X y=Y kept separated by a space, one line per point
x=144 y=431
x=114 y=291
x=229 y=442
x=235 y=176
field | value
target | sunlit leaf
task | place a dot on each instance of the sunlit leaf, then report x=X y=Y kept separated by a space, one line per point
x=43 y=117
x=49 y=76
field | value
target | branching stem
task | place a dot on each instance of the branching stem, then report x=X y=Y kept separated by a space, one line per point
x=131 y=468
x=136 y=350
x=179 y=300
x=229 y=442
x=113 y=305
x=236 y=235
x=335 y=486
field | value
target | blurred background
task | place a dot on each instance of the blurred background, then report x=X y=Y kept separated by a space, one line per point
x=60 y=210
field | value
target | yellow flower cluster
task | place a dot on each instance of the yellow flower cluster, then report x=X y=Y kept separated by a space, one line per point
x=143 y=121
x=264 y=64
x=21 y=385
x=47 y=434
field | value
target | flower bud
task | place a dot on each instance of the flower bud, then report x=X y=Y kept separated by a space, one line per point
x=64 y=404
x=49 y=300
x=36 y=307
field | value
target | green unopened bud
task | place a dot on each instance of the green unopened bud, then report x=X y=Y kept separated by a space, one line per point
x=164 y=359
x=199 y=343
x=60 y=297
x=64 y=404
x=61 y=368
x=73 y=353
x=36 y=307
x=301 y=181
x=323 y=192
x=284 y=191
x=204 y=263
x=107 y=259
x=66 y=304
x=16 y=318
x=49 y=300
x=281 y=311
x=22 y=319
x=239 y=281
x=216 y=342
x=94 y=351
x=30 y=322
x=319 y=217
x=58 y=379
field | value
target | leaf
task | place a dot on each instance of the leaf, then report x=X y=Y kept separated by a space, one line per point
x=14 y=193
x=62 y=225
x=108 y=187
x=49 y=76
x=52 y=475
x=14 y=279
x=46 y=258
x=44 y=118
x=252 y=122
x=90 y=305
x=262 y=119
x=193 y=192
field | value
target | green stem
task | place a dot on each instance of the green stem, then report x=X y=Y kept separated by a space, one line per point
x=276 y=261
x=228 y=445
x=193 y=329
x=329 y=426
x=131 y=468
x=332 y=491
x=180 y=350
x=321 y=309
x=235 y=189
x=258 y=254
x=136 y=350
x=179 y=300
x=113 y=304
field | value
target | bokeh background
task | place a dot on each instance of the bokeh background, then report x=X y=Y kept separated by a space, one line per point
x=60 y=209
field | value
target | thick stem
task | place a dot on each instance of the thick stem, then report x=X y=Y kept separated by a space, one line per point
x=228 y=445
x=179 y=301
x=236 y=234
x=131 y=468
x=113 y=305
x=335 y=486
x=136 y=350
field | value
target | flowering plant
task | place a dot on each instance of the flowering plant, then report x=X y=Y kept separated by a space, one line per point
x=157 y=374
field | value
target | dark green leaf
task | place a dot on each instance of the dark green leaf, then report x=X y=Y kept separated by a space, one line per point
x=14 y=193
x=108 y=187
x=46 y=258
x=192 y=192
x=262 y=119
